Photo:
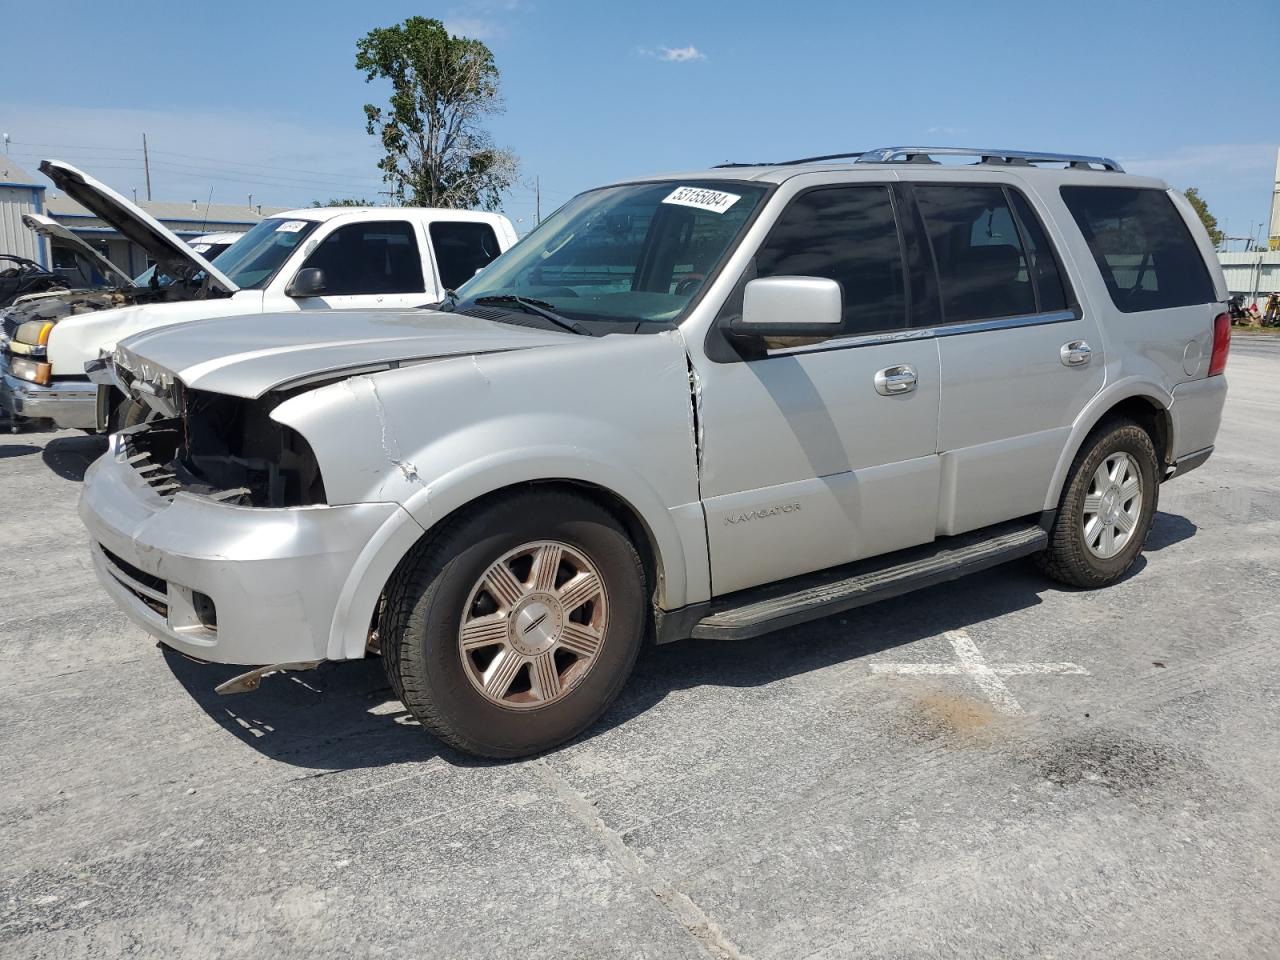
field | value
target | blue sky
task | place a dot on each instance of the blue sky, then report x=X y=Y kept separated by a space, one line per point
x=263 y=97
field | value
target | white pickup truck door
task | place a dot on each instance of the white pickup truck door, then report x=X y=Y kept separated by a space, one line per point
x=805 y=463
x=372 y=264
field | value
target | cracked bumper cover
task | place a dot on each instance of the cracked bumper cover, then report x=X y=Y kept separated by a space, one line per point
x=280 y=580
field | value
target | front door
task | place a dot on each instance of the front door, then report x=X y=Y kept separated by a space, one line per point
x=805 y=463
x=369 y=264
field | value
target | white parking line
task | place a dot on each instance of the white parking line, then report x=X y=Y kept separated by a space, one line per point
x=973 y=665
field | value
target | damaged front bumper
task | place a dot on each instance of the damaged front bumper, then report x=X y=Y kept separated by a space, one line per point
x=223 y=583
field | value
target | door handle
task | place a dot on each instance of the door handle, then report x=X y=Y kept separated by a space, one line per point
x=893 y=381
x=1076 y=353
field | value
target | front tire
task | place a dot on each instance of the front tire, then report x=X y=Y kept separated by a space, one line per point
x=515 y=627
x=1106 y=508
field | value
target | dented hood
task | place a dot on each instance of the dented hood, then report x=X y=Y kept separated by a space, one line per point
x=252 y=355
x=51 y=229
x=175 y=258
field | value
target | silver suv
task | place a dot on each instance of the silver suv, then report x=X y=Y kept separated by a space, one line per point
x=712 y=404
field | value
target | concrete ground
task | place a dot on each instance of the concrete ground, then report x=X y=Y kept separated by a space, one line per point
x=1081 y=775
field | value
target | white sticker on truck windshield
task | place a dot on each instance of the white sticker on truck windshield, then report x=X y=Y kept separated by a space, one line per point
x=201 y=248
x=717 y=201
x=291 y=226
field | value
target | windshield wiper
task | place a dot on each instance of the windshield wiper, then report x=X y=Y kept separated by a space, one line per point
x=539 y=308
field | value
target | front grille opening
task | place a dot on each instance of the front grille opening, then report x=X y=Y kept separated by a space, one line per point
x=229 y=450
x=205 y=609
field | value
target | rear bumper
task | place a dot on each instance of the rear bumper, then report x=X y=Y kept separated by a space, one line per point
x=1196 y=413
x=71 y=404
x=226 y=584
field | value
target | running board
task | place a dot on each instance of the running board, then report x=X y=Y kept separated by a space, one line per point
x=750 y=613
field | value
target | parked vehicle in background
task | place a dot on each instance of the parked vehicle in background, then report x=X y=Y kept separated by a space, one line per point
x=713 y=404
x=210 y=246
x=304 y=260
x=20 y=277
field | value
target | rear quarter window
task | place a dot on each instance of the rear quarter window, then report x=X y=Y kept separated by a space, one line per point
x=1146 y=254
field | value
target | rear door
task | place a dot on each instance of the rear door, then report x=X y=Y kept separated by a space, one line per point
x=1020 y=358
x=370 y=263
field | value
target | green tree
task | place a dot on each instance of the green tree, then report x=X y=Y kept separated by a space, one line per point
x=438 y=154
x=1208 y=219
x=344 y=202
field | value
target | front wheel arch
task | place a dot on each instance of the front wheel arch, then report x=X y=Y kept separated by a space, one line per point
x=361 y=601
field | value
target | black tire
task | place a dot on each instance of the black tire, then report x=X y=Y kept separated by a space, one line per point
x=128 y=413
x=1068 y=558
x=425 y=605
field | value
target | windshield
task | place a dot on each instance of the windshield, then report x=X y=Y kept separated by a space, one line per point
x=636 y=253
x=253 y=260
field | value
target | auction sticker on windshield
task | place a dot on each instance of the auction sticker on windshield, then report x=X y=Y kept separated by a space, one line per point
x=717 y=201
x=291 y=226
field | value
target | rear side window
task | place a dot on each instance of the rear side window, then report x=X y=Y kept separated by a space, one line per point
x=982 y=264
x=462 y=249
x=1147 y=256
x=370 y=258
x=846 y=234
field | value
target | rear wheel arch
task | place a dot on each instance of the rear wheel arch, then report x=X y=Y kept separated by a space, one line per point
x=1146 y=407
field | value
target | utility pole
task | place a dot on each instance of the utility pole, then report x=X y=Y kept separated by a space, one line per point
x=146 y=164
x=537 y=199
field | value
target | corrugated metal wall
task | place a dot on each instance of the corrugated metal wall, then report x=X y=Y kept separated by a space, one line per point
x=14 y=236
x=1250 y=273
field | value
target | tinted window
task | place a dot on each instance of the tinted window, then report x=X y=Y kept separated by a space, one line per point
x=846 y=234
x=253 y=260
x=1050 y=294
x=379 y=257
x=1147 y=256
x=982 y=267
x=462 y=249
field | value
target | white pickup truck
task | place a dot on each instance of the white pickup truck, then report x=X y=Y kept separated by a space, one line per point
x=311 y=259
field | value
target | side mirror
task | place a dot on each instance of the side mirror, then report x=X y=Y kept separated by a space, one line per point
x=811 y=307
x=308 y=282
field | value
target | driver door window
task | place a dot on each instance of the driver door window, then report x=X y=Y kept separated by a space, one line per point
x=370 y=264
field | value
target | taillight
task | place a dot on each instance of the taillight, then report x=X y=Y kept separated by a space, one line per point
x=1221 y=344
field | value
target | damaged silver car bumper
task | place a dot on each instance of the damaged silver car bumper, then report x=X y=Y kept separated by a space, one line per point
x=222 y=583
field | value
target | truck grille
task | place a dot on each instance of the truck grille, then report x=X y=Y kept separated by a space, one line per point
x=151 y=590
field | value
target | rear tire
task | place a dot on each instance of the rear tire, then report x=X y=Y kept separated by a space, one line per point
x=1106 y=508
x=512 y=629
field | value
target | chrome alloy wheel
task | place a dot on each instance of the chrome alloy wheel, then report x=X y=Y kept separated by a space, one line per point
x=1113 y=505
x=533 y=625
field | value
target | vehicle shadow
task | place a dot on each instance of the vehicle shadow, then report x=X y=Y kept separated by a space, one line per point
x=69 y=457
x=344 y=716
x=17 y=450
x=1168 y=529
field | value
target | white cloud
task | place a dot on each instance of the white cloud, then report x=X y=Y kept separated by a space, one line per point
x=1189 y=165
x=680 y=54
x=474 y=28
x=672 y=54
x=483 y=19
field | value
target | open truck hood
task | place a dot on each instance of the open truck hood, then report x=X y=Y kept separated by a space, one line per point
x=52 y=230
x=175 y=258
x=250 y=356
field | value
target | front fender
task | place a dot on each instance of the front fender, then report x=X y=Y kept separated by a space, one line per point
x=614 y=414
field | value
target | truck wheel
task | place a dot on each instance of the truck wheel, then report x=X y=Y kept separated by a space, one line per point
x=517 y=625
x=1106 y=509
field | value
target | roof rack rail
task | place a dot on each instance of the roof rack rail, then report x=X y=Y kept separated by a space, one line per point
x=852 y=155
x=1021 y=157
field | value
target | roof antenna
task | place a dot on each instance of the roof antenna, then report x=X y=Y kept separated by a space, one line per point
x=208 y=203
